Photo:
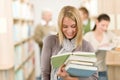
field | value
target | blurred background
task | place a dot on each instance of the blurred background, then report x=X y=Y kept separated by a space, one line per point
x=20 y=49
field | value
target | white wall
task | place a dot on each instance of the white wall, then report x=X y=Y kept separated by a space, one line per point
x=53 y=5
x=56 y=5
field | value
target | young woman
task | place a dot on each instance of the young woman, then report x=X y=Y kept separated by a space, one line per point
x=69 y=38
x=99 y=38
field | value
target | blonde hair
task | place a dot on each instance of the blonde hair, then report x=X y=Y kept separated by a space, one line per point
x=72 y=13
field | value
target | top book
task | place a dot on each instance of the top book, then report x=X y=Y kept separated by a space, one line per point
x=64 y=58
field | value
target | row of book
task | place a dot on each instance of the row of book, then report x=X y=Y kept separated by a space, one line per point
x=21 y=32
x=22 y=52
x=24 y=72
x=22 y=10
x=6 y=74
x=80 y=64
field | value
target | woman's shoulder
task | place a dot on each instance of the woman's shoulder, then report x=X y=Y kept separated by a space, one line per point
x=51 y=38
x=85 y=42
x=87 y=46
x=89 y=33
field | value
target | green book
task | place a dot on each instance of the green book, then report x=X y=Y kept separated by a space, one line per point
x=63 y=58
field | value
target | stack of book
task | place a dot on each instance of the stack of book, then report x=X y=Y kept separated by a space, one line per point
x=80 y=64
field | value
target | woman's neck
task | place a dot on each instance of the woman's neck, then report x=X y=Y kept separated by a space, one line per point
x=98 y=36
x=98 y=33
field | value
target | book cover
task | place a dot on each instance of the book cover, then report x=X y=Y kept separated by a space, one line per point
x=60 y=59
x=81 y=58
x=80 y=70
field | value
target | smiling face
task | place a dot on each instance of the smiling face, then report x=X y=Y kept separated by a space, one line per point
x=102 y=25
x=69 y=28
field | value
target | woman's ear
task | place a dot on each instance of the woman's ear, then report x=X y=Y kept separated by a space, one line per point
x=96 y=21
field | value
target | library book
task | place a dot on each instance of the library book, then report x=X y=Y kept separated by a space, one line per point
x=78 y=63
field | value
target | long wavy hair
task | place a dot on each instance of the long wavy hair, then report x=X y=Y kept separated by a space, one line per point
x=72 y=13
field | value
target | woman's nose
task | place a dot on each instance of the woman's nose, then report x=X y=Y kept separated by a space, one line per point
x=70 y=30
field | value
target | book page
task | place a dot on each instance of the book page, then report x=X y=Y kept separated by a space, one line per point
x=79 y=53
x=60 y=59
x=80 y=62
x=81 y=58
x=80 y=70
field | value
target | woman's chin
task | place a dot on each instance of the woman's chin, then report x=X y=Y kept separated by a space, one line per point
x=70 y=37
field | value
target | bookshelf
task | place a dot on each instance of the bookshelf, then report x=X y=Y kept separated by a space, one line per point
x=6 y=43
x=23 y=41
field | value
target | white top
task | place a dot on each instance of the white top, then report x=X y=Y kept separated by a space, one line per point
x=44 y=22
x=97 y=46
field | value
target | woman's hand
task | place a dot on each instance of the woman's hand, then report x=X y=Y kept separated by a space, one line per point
x=64 y=75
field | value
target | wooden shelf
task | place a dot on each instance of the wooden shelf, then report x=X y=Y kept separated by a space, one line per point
x=22 y=41
x=30 y=74
x=22 y=20
x=6 y=41
x=24 y=61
